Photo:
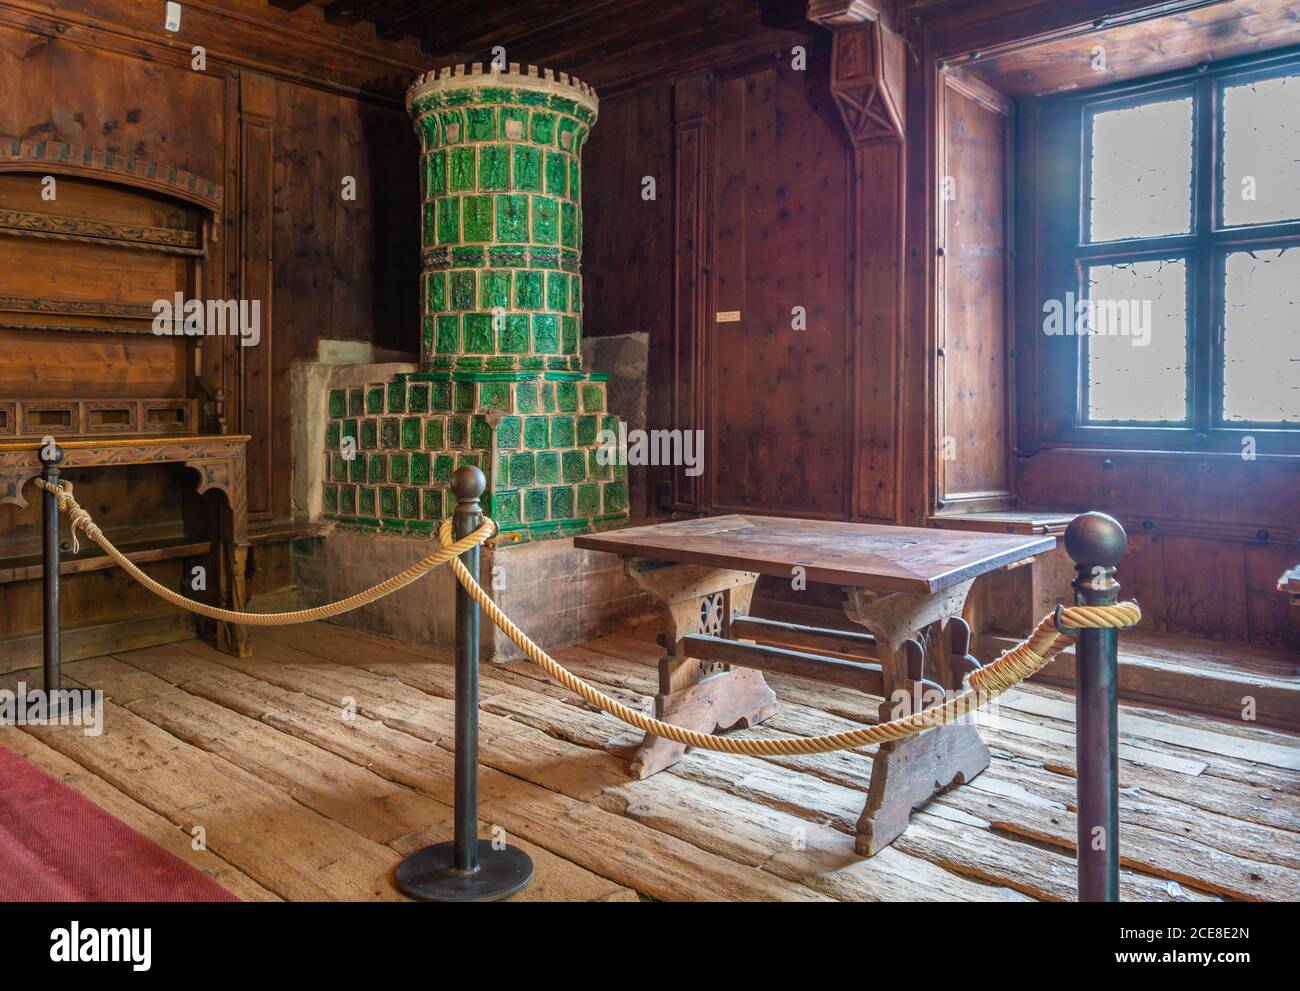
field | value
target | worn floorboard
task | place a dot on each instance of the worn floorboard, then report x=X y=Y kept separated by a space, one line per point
x=311 y=767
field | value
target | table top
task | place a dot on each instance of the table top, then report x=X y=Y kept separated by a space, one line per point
x=863 y=555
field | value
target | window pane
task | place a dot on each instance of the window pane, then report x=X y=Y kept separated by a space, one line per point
x=1261 y=151
x=1141 y=173
x=1135 y=319
x=1261 y=337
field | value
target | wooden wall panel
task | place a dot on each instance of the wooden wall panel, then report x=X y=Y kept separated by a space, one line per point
x=973 y=331
x=782 y=204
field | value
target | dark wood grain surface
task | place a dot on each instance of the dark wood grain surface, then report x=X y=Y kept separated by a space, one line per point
x=865 y=555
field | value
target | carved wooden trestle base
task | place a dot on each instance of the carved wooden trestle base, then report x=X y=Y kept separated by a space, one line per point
x=221 y=464
x=905 y=586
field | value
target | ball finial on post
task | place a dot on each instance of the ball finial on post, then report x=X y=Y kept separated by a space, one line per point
x=469 y=483
x=1095 y=540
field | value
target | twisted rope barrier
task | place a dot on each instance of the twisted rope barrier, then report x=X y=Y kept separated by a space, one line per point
x=978 y=688
x=80 y=519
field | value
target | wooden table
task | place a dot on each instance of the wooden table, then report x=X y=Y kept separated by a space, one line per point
x=905 y=585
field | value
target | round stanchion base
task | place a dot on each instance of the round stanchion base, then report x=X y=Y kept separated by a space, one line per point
x=429 y=876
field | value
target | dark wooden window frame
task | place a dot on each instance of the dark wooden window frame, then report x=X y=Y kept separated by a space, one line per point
x=1064 y=254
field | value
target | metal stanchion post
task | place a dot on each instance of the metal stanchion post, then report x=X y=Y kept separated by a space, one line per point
x=466 y=868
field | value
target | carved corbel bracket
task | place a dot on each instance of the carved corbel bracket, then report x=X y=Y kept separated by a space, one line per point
x=867 y=68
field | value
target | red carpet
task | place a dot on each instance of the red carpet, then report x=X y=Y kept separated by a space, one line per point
x=57 y=846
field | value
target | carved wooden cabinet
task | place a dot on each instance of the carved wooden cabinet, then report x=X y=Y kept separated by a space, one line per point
x=92 y=244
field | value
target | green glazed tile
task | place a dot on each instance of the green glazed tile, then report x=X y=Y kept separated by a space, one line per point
x=448 y=219
x=545 y=333
x=566 y=397
x=598 y=467
x=433 y=433
x=437 y=289
x=528 y=290
x=440 y=397
x=378 y=468
x=398 y=467
x=514 y=337
x=340 y=468
x=420 y=468
x=589 y=500
x=357 y=468
x=528 y=169
x=347 y=499
x=462 y=170
x=356 y=401
x=417 y=400
x=568 y=225
x=436 y=173
x=615 y=497
x=535 y=505
x=570 y=344
x=512 y=218
x=462 y=290
x=494 y=395
x=429 y=226
x=526 y=396
x=330 y=496
x=562 y=431
x=397 y=397
x=543 y=131
x=482 y=123
x=494 y=290
x=410 y=505
x=442 y=468
x=366 y=501
x=411 y=431
x=521 y=469
x=508 y=432
x=478 y=218
x=557 y=291
x=547 y=467
x=369 y=434
x=587 y=426
x=464 y=396
x=574 y=466
x=448 y=335
x=546 y=220
x=432 y=504
x=494 y=167
x=557 y=174
x=332 y=435
x=479 y=338
x=457 y=432
x=390 y=433
x=467 y=256
x=536 y=432
x=480 y=432
x=375 y=399
x=562 y=502
x=505 y=507
x=388 y=501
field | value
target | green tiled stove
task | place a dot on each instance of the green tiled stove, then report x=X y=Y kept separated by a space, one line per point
x=501 y=383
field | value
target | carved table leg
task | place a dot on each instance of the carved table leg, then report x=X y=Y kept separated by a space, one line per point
x=232 y=638
x=906 y=774
x=701 y=695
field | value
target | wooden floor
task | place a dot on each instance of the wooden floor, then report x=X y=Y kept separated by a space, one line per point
x=313 y=766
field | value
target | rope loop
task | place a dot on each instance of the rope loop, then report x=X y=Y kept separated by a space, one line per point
x=978 y=688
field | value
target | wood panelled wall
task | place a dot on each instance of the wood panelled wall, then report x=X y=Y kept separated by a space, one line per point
x=765 y=332
x=279 y=117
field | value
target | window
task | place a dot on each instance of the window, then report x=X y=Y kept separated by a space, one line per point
x=1171 y=293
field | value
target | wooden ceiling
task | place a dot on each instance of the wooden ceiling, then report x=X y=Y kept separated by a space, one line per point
x=608 y=43
x=1177 y=40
